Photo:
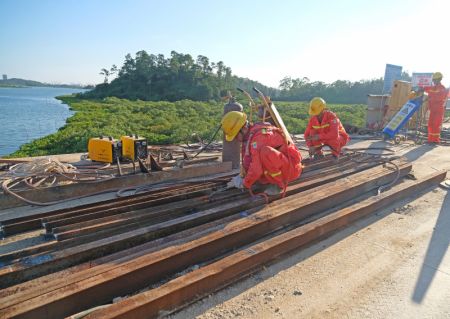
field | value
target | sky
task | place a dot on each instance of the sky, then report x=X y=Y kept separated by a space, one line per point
x=70 y=41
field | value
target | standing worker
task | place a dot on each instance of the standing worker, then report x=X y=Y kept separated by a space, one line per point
x=437 y=97
x=267 y=157
x=324 y=128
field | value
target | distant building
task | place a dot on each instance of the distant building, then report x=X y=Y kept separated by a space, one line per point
x=5 y=77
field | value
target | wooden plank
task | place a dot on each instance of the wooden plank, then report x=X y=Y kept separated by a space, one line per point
x=141 y=271
x=222 y=273
x=81 y=189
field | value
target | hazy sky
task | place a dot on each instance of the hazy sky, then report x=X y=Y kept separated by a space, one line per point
x=69 y=41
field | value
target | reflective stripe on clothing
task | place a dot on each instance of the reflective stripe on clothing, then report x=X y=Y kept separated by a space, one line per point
x=272 y=174
x=316 y=127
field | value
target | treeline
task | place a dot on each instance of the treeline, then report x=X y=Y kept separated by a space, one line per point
x=152 y=77
x=15 y=82
x=302 y=89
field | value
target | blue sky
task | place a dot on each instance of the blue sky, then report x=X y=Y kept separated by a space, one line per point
x=69 y=41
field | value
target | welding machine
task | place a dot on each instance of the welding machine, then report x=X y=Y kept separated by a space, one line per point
x=134 y=147
x=104 y=149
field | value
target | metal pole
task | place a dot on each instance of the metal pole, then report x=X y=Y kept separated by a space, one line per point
x=231 y=151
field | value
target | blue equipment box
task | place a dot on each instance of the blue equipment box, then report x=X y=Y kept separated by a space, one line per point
x=402 y=117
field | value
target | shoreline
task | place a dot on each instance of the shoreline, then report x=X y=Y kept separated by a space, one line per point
x=57 y=116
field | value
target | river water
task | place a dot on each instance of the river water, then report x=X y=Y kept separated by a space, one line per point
x=29 y=113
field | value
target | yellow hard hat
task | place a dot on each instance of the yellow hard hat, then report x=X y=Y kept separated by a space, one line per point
x=437 y=76
x=316 y=106
x=232 y=122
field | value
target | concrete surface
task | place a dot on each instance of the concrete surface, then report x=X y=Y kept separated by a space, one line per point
x=393 y=264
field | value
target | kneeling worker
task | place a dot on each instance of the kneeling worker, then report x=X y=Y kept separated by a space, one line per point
x=266 y=156
x=324 y=128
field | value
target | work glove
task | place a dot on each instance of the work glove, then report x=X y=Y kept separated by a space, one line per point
x=236 y=182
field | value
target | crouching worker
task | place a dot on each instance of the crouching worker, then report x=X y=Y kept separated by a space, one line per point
x=324 y=128
x=267 y=157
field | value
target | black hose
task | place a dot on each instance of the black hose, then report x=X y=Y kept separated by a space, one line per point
x=210 y=141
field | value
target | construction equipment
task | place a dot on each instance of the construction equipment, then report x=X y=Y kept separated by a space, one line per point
x=402 y=117
x=252 y=105
x=134 y=147
x=104 y=149
x=270 y=107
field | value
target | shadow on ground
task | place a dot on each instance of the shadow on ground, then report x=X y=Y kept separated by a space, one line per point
x=437 y=248
x=418 y=152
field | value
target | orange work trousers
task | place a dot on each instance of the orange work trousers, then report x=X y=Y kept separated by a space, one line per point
x=435 y=124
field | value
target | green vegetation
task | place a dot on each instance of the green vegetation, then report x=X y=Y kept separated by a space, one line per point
x=337 y=92
x=152 y=77
x=160 y=122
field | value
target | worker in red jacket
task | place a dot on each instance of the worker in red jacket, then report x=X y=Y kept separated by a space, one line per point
x=324 y=128
x=266 y=155
x=437 y=98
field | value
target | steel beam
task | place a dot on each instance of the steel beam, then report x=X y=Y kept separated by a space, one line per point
x=222 y=273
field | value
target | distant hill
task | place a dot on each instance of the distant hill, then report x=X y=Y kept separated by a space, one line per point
x=14 y=82
x=153 y=77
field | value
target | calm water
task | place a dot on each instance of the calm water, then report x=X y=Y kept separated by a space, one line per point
x=30 y=113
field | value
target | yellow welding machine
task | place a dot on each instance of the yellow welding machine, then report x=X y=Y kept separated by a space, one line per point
x=104 y=149
x=134 y=147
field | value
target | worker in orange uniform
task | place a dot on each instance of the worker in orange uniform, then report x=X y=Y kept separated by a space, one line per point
x=267 y=157
x=437 y=97
x=324 y=128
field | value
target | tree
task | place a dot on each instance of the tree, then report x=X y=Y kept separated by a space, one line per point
x=285 y=83
x=155 y=77
x=106 y=74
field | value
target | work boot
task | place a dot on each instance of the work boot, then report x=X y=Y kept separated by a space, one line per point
x=272 y=190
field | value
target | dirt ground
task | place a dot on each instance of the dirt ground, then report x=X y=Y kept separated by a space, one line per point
x=393 y=264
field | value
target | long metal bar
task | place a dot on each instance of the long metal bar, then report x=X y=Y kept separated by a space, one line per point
x=73 y=217
x=73 y=230
x=139 y=219
x=134 y=274
x=79 y=189
x=35 y=287
x=321 y=175
x=299 y=185
x=227 y=270
x=16 y=225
